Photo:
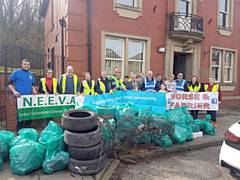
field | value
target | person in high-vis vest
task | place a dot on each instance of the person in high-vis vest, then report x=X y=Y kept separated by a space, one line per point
x=181 y=84
x=103 y=84
x=149 y=83
x=88 y=85
x=48 y=84
x=194 y=86
x=116 y=81
x=69 y=83
x=212 y=86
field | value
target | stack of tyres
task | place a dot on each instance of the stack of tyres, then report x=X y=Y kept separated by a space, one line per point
x=84 y=140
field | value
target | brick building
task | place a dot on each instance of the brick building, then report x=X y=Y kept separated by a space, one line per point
x=196 y=37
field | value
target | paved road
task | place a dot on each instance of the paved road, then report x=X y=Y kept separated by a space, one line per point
x=200 y=164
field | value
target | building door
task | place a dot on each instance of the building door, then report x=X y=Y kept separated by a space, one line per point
x=179 y=64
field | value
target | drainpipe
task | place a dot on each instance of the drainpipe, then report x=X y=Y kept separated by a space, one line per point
x=89 y=44
x=63 y=25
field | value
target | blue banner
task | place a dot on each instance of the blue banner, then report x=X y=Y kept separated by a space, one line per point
x=156 y=101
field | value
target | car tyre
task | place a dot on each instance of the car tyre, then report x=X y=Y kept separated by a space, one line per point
x=89 y=167
x=79 y=120
x=83 y=140
x=88 y=153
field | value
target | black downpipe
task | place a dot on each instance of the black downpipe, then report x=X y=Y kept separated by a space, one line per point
x=89 y=20
x=63 y=25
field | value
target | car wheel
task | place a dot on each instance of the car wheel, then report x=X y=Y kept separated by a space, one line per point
x=86 y=153
x=87 y=139
x=87 y=167
x=79 y=120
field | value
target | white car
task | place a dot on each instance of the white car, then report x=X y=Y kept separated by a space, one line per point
x=230 y=151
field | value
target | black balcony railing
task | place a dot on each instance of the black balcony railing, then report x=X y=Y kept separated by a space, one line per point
x=185 y=23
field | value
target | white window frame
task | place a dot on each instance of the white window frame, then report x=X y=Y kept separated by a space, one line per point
x=222 y=66
x=227 y=13
x=115 y=59
x=144 y=52
x=125 y=58
x=228 y=67
x=217 y=66
x=190 y=5
x=135 y=3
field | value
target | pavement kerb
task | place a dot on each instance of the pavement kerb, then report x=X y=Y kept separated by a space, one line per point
x=174 y=149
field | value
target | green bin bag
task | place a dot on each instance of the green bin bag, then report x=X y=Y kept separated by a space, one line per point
x=180 y=135
x=5 y=138
x=55 y=161
x=195 y=128
x=52 y=137
x=209 y=129
x=18 y=140
x=163 y=141
x=26 y=157
x=29 y=133
x=200 y=123
x=1 y=163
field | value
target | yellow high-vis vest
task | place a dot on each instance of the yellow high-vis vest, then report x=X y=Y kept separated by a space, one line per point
x=64 y=80
x=86 y=89
x=214 y=88
x=44 y=88
x=195 y=89
x=102 y=86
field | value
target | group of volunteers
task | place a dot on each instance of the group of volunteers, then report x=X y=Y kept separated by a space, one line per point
x=22 y=82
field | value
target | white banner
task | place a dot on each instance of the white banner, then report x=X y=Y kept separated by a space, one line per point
x=194 y=101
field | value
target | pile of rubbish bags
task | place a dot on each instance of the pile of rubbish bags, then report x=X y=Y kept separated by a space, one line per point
x=28 y=151
x=132 y=125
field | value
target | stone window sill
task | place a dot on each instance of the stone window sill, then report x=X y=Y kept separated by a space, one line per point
x=130 y=8
x=228 y=87
x=225 y=31
x=128 y=11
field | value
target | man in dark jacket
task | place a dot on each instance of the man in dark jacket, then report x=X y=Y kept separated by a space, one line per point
x=103 y=84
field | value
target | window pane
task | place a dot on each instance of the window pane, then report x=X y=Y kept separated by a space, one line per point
x=216 y=57
x=135 y=67
x=113 y=53
x=182 y=6
x=135 y=50
x=110 y=64
x=223 y=5
x=114 y=48
x=228 y=74
x=126 y=2
x=216 y=73
x=228 y=59
x=222 y=19
x=135 y=56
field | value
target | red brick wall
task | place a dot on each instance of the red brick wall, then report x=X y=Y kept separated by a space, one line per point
x=2 y=98
x=7 y=106
x=214 y=38
x=152 y=24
